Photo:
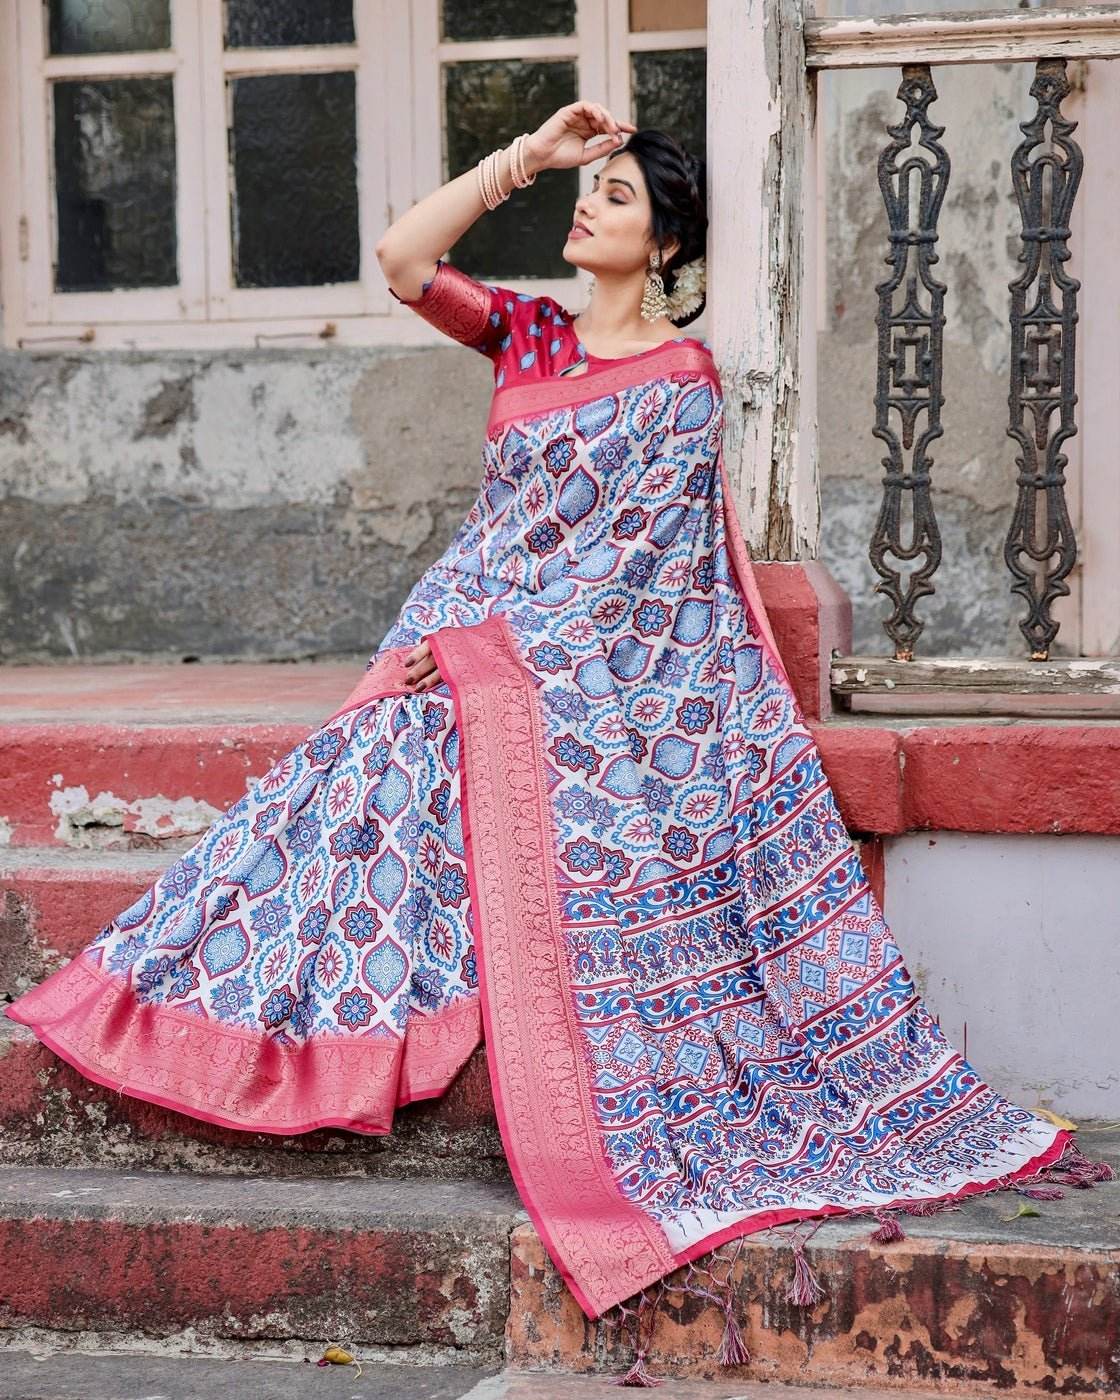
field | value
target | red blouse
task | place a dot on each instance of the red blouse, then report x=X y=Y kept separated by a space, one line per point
x=526 y=337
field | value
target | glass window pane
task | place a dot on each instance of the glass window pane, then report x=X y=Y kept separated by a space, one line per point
x=507 y=19
x=109 y=26
x=295 y=183
x=114 y=167
x=486 y=105
x=667 y=14
x=670 y=92
x=268 y=24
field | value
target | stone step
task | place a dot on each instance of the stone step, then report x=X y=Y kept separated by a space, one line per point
x=145 y=756
x=970 y=1300
x=452 y=1271
x=53 y=902
x=418 y=1266
x=120 y=1376
x=51 y=1114
x=71 y=1376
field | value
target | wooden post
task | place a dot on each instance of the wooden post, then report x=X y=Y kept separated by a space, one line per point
x=762 y=280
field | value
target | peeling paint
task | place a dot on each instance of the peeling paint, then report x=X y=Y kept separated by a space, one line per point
x=101 y=821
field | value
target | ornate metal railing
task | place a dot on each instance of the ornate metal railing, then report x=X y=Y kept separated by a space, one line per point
x=911 y=317
x=913 y=176
x=1040 y=548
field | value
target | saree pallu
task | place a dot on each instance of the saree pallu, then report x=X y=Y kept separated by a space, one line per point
x=606 y=843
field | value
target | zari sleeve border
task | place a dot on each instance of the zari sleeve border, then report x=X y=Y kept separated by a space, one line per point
x=468 y=311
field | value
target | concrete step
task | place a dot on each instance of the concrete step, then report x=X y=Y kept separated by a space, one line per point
x=69 y=1376
x=434 y=1272
x=421 y=1266
x=51 y=1114
x=969 y=1301
x=145 y=756
x=53 y=902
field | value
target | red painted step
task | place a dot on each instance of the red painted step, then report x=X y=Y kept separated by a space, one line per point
x=51 y=1114
x=420 y=1266
x=970 y=1302
x=146 y=755
x=138 y=755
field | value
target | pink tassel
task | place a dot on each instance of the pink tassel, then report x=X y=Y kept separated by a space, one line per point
x=732 y=1349
x=804 y=1290
x=637 y=1374
x=1041 y=1193
x=926 y=1207
x=1073 y=1168
x=889 y=1229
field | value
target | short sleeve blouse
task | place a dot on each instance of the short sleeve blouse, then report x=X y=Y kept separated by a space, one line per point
x=525 y=337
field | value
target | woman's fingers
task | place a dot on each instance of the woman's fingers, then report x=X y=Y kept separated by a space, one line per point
x=421 y=671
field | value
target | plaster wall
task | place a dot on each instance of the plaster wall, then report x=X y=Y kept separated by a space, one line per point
x=248 y=504
x=1014 y=938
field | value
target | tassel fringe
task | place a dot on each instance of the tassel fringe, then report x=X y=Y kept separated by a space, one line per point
x=804 y=1290
x=637 y=1375
x=732 y=1348
x=889 y=1229
x=714 y=1282
x=927 y=1207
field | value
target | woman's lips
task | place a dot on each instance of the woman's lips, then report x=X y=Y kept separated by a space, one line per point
x=578 y=232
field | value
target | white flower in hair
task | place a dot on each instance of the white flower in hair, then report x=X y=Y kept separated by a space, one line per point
x=688 y=290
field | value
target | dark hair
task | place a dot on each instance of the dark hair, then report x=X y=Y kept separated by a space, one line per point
x=676 y=181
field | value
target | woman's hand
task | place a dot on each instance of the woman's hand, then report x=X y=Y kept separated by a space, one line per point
x=560 y=142
x=421 y=670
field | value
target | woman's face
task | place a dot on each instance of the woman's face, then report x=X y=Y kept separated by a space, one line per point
x=616 y=213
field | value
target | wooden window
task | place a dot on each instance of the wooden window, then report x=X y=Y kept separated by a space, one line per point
x=216 y=172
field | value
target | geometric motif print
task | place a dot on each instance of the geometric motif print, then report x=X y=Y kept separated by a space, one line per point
x=331 y=899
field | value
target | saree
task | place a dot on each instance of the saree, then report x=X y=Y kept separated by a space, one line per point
x=604 y=843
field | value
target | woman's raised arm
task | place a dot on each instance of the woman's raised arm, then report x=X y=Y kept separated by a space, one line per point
x=410 y=247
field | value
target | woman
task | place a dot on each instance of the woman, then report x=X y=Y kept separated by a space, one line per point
x=573 y=806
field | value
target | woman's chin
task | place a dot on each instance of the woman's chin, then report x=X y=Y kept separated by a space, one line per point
x=571 y=252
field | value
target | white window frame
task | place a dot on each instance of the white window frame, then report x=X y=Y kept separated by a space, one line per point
x=400 y=159
x=621 y=43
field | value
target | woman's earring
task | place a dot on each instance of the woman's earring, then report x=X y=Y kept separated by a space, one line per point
x=654 y=301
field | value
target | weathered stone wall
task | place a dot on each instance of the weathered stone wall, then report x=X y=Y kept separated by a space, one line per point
x=251 y=504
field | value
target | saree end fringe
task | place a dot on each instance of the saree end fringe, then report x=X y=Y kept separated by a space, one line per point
x=804 y=1289
x=732 y=1348
x=638 y=1375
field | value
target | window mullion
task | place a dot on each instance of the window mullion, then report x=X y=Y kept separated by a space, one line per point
x=187 y=21
x=616 y=43
x=596 y=79
x=214 y=128
x=375 y=103
x=37 y=126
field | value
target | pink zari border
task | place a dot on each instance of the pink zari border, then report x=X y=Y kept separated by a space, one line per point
x=233 y=1077
x=604 y=1247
